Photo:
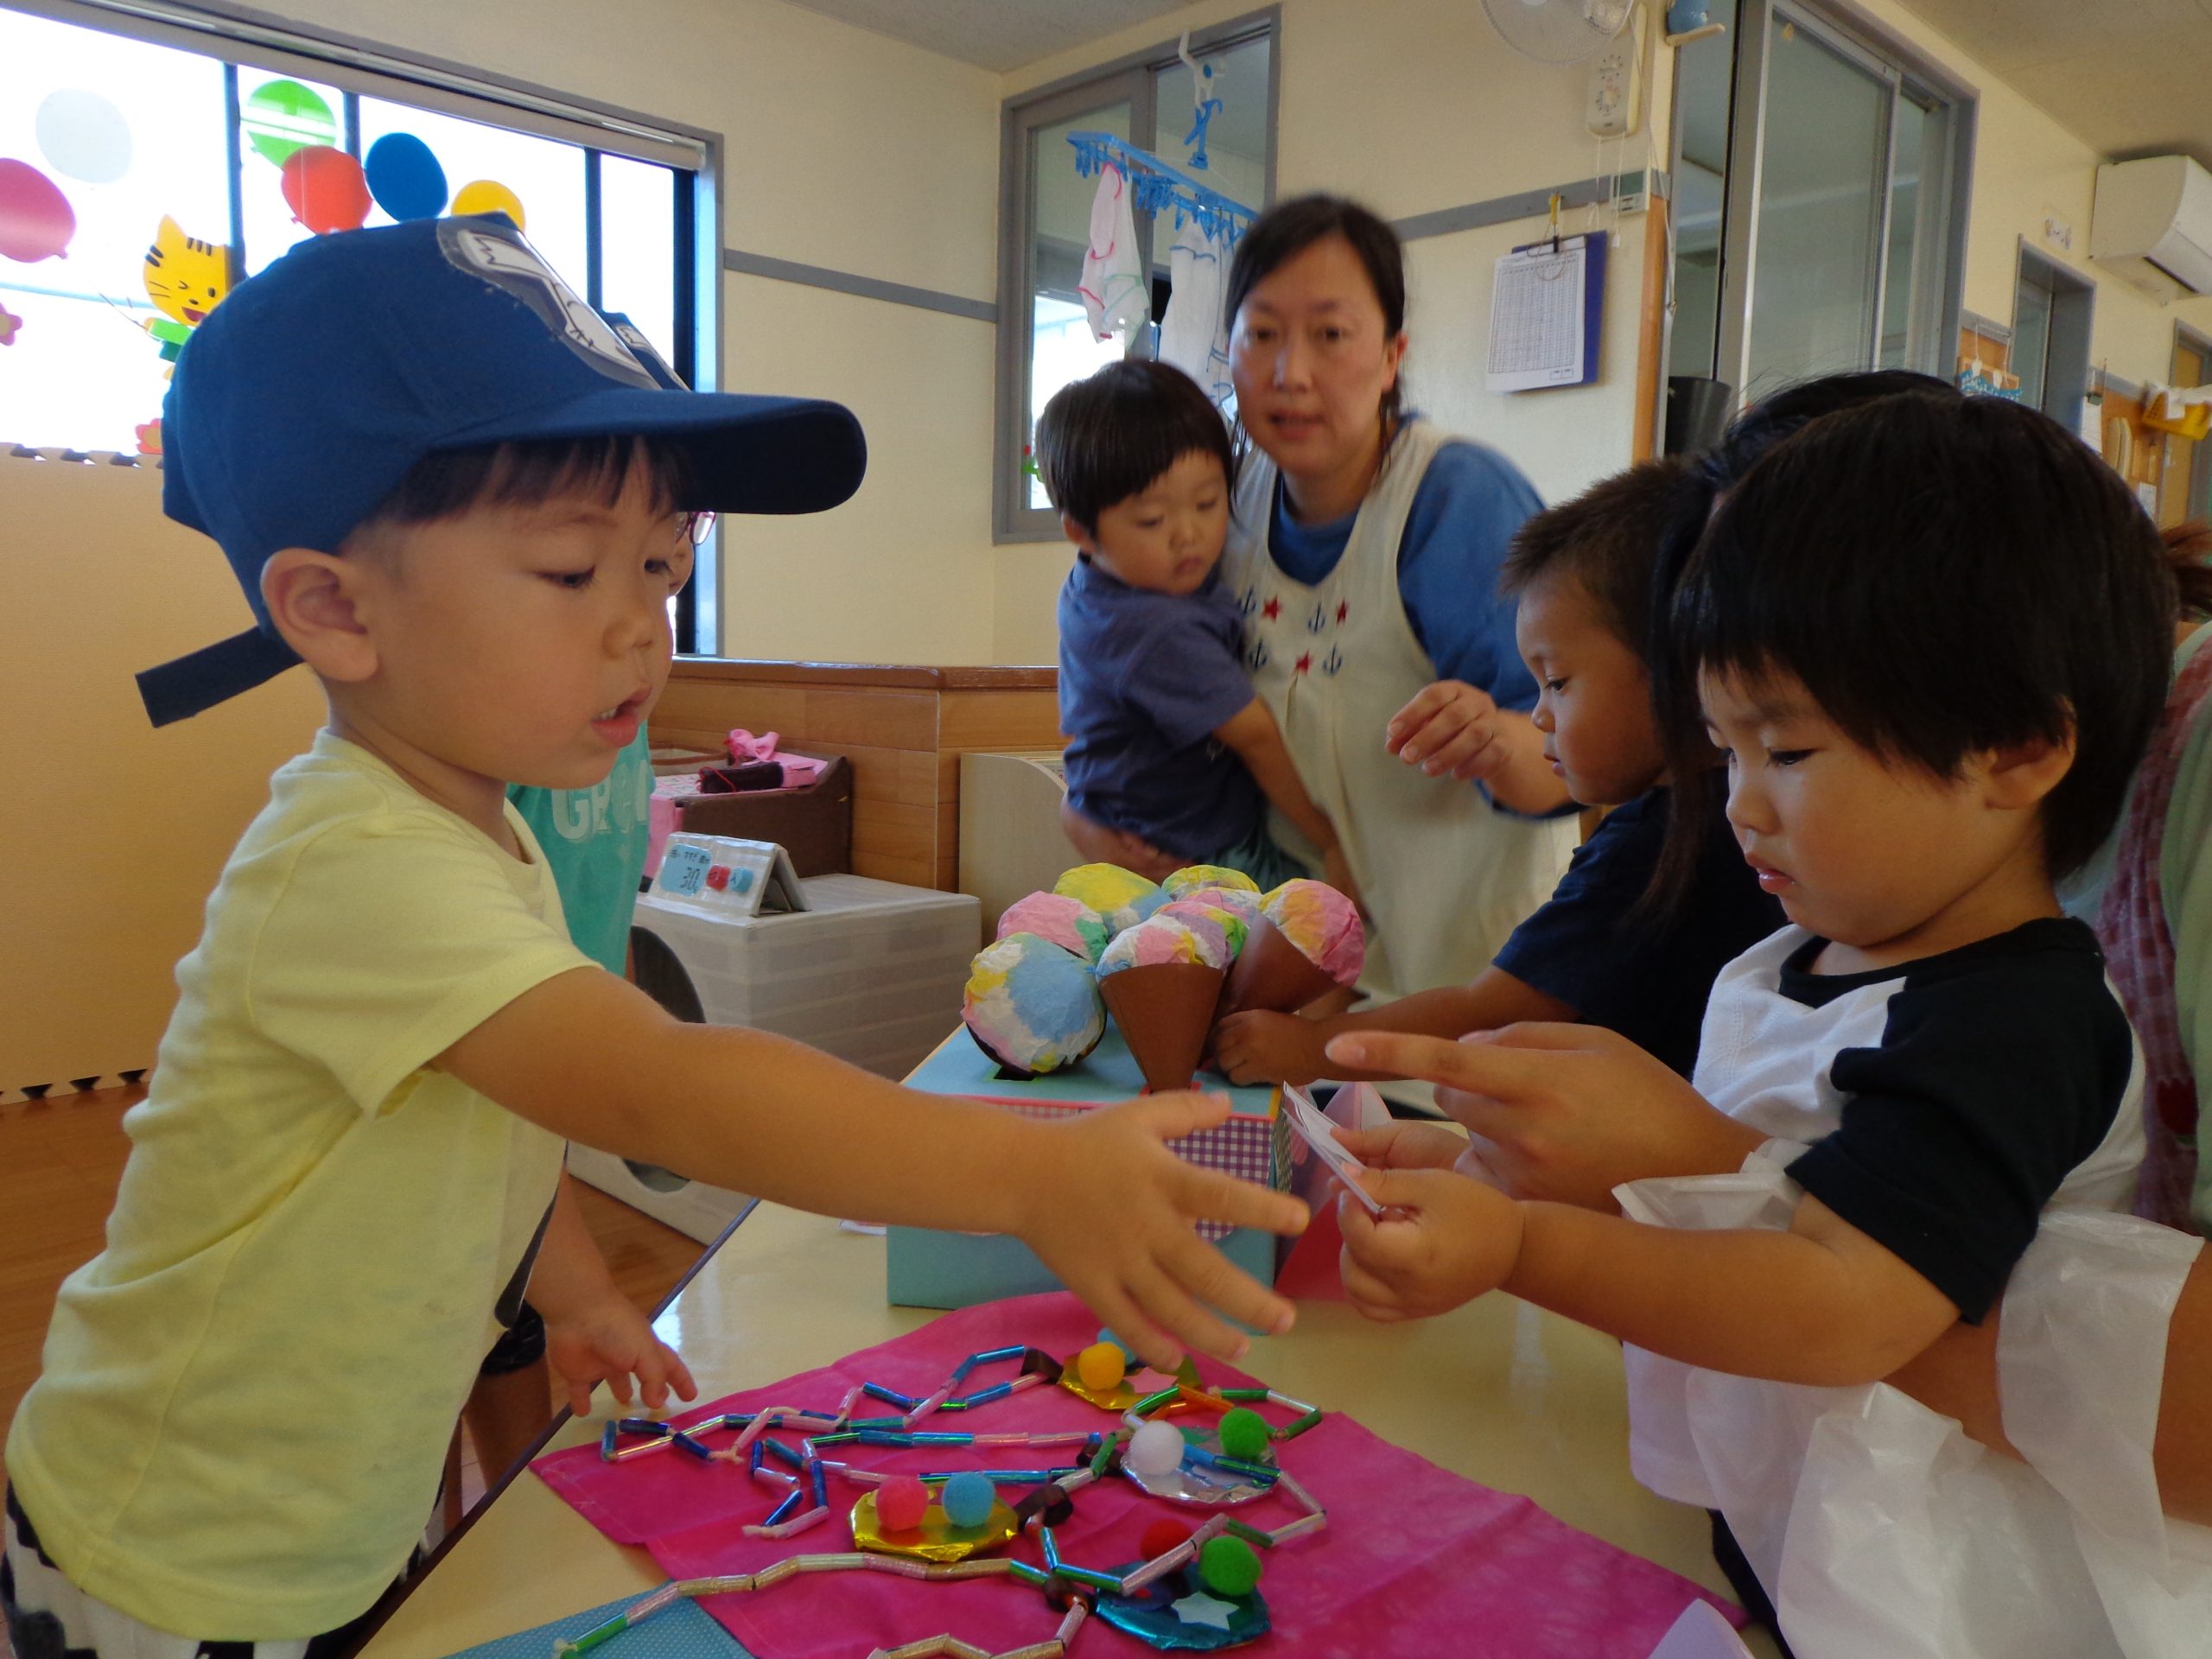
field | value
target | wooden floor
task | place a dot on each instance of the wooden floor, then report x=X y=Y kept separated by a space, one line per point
x=59 y=1163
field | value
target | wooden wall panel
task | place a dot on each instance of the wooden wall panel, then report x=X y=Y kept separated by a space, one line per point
x=903 y=730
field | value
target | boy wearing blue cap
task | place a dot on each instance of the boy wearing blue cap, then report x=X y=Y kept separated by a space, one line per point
x=455 y=493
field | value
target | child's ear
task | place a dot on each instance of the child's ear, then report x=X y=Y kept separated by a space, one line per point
x=312 y=599
x=2020 y=775
x=1076 y=533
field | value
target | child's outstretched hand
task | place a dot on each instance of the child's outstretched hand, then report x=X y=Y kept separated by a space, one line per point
x=1440 y=1241
x=1111 y=1211
x=1261 y=1046
x=609 y=1341
x=1404 y=1143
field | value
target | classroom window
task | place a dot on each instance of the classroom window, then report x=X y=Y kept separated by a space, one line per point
x=1821 y=202
x=1046 y=339
x=146 y=171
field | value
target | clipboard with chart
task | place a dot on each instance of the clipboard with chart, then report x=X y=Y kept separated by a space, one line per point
x=1546 y=312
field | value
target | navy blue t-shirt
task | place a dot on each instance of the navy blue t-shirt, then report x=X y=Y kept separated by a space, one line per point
x=1645 y=979
x=1145 y=678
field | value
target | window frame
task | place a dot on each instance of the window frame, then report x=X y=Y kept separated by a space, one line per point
x=1938 y=259
x=1130 y=79
x=239 y=37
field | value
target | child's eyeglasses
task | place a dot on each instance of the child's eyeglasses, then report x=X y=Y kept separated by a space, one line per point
x=697 y=527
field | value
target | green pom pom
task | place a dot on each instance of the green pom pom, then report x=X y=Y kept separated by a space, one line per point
x=1228 y=1566
x=1245 y=1433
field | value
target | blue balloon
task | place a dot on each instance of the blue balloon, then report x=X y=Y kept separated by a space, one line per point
x=404 y=177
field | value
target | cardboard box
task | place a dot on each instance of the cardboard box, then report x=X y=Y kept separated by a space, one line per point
x=938 y=1269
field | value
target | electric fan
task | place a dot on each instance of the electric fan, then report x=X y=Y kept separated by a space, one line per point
x=1557 y=31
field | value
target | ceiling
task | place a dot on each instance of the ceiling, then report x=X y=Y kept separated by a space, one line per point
x=996 y=35
x=2127 y=77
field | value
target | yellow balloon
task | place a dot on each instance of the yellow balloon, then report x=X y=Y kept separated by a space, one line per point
x=489 y=196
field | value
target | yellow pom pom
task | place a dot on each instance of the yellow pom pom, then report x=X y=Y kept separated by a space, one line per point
x=1100 y=1367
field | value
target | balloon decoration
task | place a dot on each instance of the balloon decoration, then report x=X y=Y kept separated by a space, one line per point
x=284 y=118
x=489 y=196
x=404 y=177
x=36 y=219
x=326 y=189
x=83 y=136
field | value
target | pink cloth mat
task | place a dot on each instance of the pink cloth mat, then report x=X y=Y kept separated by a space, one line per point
x=1414 y=1560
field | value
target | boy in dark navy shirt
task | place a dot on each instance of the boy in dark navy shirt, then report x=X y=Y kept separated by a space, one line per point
x=1605 y=949
x=1167 y=746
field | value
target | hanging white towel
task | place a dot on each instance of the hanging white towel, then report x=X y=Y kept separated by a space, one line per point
x=1193 y=334
x=1113 y=287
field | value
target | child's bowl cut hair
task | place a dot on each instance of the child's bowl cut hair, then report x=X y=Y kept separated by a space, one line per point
x=527 y=474
x=1945 y=578
x=1608 y=539
x=1104 y=439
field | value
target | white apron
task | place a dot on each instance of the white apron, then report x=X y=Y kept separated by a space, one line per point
x=1446 y=875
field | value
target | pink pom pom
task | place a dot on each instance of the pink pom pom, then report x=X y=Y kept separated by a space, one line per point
x=900 y=1503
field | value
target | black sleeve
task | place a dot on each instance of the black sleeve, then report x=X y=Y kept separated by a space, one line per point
x=1987 y=1089
x=1574 y=947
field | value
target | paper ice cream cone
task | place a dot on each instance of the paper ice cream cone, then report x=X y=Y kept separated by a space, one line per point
x=1272 y=973
x=1166 y=1013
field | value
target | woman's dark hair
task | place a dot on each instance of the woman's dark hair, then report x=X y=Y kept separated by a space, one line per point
x=1288 y=228
x=528 y=472
x=1104 y=439
x=1946 y=576
x=1674 y=684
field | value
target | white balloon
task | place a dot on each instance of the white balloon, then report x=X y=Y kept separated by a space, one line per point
x=83 y=136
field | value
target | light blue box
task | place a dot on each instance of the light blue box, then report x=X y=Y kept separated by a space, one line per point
x=926 y=1268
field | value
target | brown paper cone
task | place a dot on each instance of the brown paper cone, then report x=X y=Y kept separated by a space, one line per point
x=1271 y=973
x=1166 y=1013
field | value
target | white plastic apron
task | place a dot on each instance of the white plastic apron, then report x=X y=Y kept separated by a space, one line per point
x=1446 y=875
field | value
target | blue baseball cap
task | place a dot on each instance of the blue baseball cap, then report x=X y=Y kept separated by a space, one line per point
x=300 y=403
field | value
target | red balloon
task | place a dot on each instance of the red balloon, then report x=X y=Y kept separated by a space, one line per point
x=36 y=219
x=326 y=189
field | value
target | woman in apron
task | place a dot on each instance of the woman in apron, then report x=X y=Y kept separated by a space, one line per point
x=1365 y=551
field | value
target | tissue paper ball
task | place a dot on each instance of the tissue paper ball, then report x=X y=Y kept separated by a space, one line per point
x=1323 y=924
x=1121 y=896
x=1031 y=1005
x=968 y=1497
x=1162 y=941
x=1194 y=878
x=1209 y=918
x=1068 y=923
x=900 y=1503
x=1155 y=1448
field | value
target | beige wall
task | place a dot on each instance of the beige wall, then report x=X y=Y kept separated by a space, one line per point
x=2026 y=165
x=1411 y=107
x=112 y=833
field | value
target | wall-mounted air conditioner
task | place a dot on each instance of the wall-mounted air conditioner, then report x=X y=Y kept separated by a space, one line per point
x=2152 y=224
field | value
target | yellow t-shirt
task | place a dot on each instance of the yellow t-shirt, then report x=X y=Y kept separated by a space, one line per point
x=246 y=1396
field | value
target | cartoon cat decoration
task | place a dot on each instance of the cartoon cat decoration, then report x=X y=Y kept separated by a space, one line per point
x=186 y=278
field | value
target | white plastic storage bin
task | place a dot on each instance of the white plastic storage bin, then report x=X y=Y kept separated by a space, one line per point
x=872 y=973
x=691 y=1207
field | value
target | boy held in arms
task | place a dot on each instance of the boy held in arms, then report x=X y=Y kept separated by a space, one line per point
x=1930 y=637
x=451 y=490
x=1606 y=948
x=1167 y=746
